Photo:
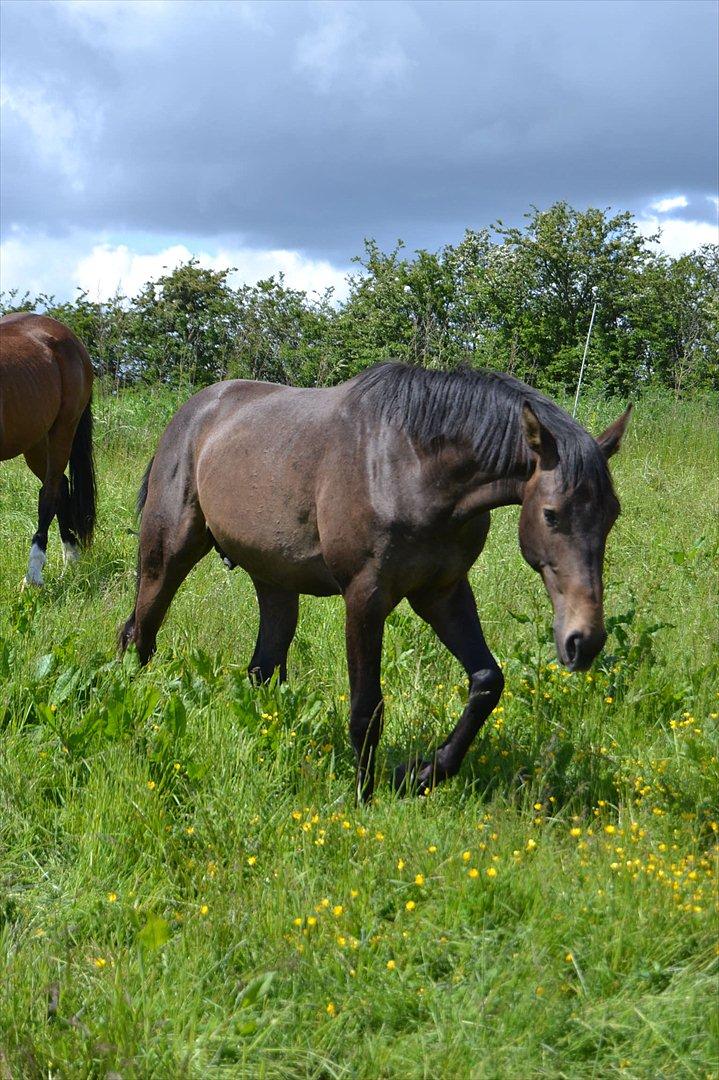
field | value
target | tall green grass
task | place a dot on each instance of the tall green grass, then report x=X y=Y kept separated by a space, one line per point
x=186 y=887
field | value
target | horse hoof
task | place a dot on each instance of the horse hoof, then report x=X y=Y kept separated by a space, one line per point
x=413 y=778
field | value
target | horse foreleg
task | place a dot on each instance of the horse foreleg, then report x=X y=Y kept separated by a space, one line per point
x=364 y=628
x=279 y=609
x=453 y=617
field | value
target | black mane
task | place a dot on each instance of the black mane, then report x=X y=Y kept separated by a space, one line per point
x=483 y=408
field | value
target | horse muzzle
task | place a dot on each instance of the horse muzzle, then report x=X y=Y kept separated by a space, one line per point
x=578 y=649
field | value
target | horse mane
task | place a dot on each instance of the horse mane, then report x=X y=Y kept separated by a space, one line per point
x=483 y=408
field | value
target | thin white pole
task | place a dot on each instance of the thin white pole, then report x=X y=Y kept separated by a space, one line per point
x=584 y=359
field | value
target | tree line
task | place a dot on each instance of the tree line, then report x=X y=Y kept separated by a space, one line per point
x=515 y=299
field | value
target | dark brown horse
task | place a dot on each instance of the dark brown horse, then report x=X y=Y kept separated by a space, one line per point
x=380 y=489
x=45 y=414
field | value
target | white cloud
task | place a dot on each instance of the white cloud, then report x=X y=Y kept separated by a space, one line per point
x=107 y=269
x=122 y=24
x=55 y=129
x=676 y=202
x=341 y=45
x=676 y=236
x=60 y=266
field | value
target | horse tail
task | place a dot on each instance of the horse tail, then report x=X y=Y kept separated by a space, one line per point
x=83 y=489
x=142 y=493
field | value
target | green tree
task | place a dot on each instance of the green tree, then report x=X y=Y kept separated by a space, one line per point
x=544 y=284
x=676 y=316
x=185 y=325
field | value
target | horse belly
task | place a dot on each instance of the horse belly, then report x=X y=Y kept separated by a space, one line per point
x=260 y=509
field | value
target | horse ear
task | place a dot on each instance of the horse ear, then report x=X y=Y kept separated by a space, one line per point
x=611 y=439
x=540 y=439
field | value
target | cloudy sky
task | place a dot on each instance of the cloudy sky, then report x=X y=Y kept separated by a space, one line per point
x=275 y=136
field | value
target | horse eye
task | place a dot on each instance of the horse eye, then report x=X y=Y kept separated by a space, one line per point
x=550 y=516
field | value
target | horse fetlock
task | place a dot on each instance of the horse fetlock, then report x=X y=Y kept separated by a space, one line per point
x=487 y=683
x=35 y=564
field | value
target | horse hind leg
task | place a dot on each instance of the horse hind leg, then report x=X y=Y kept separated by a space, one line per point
x=38 y=460
x=279 y=609
x=168 y=551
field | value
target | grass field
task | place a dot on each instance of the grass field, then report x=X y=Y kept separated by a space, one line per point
x=187 y=889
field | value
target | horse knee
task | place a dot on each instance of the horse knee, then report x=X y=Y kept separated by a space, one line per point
x=487 y=683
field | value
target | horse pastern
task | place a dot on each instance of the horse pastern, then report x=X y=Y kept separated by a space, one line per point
x=34 y=567
x=71 y=553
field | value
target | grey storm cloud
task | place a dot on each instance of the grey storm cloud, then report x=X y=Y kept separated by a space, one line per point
x=311 y=125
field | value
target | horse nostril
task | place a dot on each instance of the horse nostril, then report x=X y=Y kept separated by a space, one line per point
x=571 y=647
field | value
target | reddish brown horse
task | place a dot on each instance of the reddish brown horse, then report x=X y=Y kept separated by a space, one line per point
x=380 y=489
x=45 y=414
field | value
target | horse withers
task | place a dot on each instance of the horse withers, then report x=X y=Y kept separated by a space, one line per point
x=45 y=414
x=380 y=488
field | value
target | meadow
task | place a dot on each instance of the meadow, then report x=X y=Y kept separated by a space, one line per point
x=188 y=890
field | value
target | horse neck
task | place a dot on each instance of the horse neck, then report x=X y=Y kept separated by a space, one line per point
x=480 y=486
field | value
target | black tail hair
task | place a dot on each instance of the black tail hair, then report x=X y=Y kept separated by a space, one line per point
x=142 y=493
x=83 y=490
